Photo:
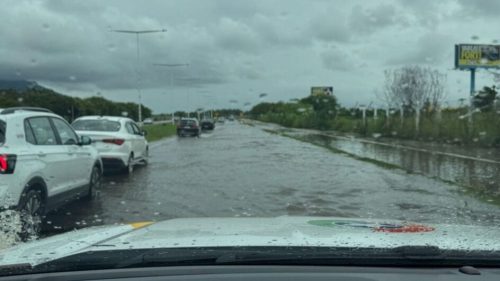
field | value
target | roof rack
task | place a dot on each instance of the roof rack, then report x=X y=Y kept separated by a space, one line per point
x=11 y=110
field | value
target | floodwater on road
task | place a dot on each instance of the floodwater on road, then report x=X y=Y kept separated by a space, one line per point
x=477 y=168
x=239 y=170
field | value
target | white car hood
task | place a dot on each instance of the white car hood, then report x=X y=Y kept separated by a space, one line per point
x=280 y=231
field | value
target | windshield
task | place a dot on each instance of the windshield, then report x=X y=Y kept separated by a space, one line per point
x=97 y=125
x=359 y=124
x=2 y=131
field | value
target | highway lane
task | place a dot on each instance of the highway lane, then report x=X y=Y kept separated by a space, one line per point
x=239 y=170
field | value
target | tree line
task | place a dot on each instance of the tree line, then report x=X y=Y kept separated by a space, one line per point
x=413 y=98
x=70 y=107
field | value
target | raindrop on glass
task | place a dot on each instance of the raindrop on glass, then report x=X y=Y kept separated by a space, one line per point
x=46 y=27
x=111 y=47
x=474 y=37
x=33 y=61
x=72 y=78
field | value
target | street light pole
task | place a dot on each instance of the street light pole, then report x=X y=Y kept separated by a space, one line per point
x=172 y=65
x=137 y=33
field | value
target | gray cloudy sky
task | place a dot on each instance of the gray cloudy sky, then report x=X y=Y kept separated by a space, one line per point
x=237 y=49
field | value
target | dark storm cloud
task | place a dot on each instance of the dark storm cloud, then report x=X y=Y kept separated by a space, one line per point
x=277 y=47
x=432 y=48
x=335 y=58
x=368 y=20
x=480 y=7
x=330 y=26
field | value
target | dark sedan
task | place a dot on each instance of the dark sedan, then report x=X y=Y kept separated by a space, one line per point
x=188 y=126
x=207 y=124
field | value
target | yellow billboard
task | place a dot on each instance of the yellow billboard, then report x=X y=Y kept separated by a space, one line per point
x=477 y=56
x=321 y=91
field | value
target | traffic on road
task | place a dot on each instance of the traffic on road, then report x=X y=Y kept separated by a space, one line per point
x=195 y=177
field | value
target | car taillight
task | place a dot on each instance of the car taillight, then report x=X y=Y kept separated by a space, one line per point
x=114 y=141
x=7 y=163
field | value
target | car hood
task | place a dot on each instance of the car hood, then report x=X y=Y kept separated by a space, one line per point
x=280 y=231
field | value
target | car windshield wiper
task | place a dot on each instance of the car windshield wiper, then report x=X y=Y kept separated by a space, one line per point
x=403 y=256
x=399 y=256
x=14 y=269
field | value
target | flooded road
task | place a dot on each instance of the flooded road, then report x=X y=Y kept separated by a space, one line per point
x=239 y=170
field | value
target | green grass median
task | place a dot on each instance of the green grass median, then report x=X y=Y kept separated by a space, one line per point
x=159 y=131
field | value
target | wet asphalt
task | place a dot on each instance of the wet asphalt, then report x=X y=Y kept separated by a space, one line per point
x=239 y=170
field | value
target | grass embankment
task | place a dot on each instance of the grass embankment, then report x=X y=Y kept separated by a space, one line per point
x=159 y=131
x=450 y=128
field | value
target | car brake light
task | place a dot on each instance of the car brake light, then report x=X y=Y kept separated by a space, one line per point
x=7 y=163
x=114 y=141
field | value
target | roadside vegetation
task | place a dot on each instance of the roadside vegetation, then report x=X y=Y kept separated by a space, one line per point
x=159 y=131
x=414 y=109
x=69 y=107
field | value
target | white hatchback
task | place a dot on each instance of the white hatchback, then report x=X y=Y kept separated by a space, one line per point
x=43 y=165
x=119 y=140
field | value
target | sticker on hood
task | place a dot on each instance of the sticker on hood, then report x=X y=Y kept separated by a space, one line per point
x=377 y=227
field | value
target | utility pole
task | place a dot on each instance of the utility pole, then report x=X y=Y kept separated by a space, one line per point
x=472 y=90
x=137 y=33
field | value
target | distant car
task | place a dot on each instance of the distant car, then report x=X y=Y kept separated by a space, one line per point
x=231 y=118
x=119 y=140
x=221 y=120
x=147 y=121
x=188 y=126
x=207 y=124
x=44 y=164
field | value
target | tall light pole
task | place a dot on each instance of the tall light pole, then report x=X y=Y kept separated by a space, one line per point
x=172 y=65
x=137 y=33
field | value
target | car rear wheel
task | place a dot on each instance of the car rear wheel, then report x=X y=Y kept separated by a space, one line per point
x=129 y=169
x=95 y=183
x=31 y=209
x=146 y=157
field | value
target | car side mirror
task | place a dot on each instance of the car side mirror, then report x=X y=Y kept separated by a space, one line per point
x=84 y=140
x=144 y=133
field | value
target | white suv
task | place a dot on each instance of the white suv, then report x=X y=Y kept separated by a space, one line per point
x=119 y=140
x=43 y=164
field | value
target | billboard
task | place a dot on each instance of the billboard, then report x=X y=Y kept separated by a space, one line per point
x=477 y=56
x=321 y=91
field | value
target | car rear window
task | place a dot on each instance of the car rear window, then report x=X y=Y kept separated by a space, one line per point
x=188 y=122
x=3 y=127
x=97 y=125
